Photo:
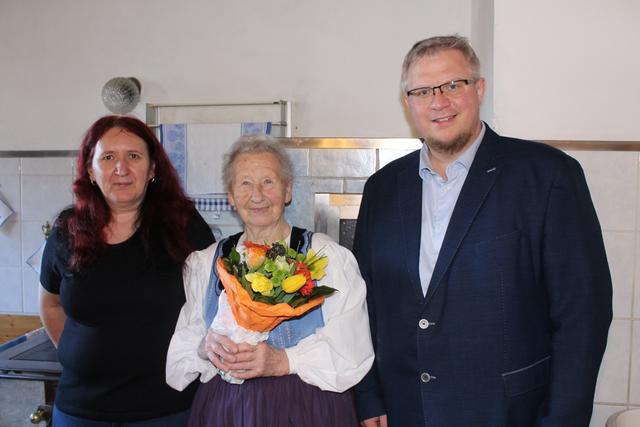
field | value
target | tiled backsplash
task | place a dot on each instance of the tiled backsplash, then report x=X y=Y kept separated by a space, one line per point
x=38 y=188
x=614 y=181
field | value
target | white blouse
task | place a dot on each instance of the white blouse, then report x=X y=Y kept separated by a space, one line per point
x=334 y=358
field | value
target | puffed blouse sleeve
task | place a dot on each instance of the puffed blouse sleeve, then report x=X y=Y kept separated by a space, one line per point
x=338 y=355
x=183 y=363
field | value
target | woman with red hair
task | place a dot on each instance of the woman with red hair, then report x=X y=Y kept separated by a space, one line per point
x=111 y=280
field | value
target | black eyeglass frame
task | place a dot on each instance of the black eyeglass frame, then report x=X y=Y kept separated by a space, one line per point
x=439 y=87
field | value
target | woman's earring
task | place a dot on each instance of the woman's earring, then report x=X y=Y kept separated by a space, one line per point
x=153 y=178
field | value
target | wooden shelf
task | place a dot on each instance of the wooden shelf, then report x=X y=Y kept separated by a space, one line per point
x=13 y=325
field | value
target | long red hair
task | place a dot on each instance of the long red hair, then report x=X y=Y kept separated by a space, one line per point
x=164 y=213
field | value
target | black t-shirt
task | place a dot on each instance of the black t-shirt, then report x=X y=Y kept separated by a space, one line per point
x=121 y=313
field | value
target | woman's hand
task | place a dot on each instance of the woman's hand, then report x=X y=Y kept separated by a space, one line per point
x=244 y=361
x=52 y=315
x=217 y=348
x=260 y=360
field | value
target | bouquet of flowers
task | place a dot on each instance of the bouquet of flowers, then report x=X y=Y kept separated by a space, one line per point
x=264 y=286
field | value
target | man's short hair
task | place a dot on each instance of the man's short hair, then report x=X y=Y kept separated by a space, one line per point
x=434 y=45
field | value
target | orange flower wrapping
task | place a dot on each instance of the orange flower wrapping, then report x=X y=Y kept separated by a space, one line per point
x=254 y=315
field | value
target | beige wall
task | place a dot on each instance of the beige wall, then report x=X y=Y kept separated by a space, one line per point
x=567 y=69
x=338 y=61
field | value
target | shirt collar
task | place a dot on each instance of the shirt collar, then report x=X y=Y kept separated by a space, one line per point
x=465 y=159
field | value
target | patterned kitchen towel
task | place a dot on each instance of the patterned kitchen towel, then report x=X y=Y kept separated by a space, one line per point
x=212 y=202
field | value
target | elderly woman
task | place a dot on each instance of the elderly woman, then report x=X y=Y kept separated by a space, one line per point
x=112 y=280
x=301 y=375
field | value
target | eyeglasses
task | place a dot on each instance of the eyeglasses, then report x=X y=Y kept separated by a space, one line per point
x=449 y=89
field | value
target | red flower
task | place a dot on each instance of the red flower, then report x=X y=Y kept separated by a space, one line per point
x=306 y=289
x=301 y=268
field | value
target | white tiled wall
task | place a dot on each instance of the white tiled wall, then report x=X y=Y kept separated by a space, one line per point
x=36 y=189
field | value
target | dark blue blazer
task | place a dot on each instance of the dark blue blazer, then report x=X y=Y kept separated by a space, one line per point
x=519 y=305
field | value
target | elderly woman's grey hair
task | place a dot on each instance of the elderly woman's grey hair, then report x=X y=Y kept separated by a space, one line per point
x=432 y=46
x=256 y=144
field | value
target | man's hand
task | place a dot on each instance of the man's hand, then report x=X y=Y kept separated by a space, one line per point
x=380 y=421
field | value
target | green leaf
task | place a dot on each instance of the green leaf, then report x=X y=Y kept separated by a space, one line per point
x=262 y=298
x=250 y=291
x=269 y=266
x=322 y=290
x=318 y=291
x=297 y=300
x=234 y=256
x=278 y=277
x=287 y=297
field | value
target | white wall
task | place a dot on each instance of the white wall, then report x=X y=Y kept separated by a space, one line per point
x=338 y=61
x=482 y=40
x=567 y=69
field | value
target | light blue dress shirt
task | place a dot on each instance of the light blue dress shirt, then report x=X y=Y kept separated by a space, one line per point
x=439 y=197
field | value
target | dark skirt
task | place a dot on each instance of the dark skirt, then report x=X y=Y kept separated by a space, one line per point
x=270 y=402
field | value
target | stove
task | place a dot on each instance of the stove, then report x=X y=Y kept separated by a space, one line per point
x=335 y=214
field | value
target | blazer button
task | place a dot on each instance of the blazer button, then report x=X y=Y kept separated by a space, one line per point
x=423 y=323
x=425 y=377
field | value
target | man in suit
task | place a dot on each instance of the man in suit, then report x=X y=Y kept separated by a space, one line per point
x=489 y=291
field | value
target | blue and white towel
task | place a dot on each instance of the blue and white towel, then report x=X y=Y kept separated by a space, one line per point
x=212 y=202
x=197 y=152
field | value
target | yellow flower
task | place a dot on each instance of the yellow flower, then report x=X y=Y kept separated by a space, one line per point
x=260 y=283
x=316 y=265
x=292 y=283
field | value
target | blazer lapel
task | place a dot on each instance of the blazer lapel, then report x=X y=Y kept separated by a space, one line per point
x=481 y=177
x=410 y=206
